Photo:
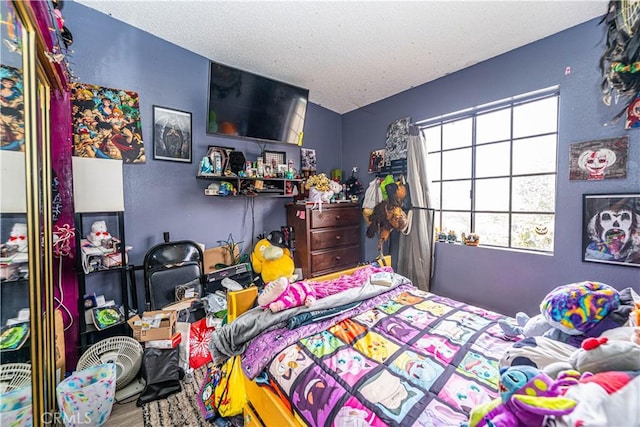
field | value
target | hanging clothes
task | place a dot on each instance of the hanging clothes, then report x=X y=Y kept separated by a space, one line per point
x=415 y=254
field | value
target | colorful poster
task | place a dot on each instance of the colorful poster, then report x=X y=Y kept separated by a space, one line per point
x=11 y=109
x=598 y=160
x=106 y=123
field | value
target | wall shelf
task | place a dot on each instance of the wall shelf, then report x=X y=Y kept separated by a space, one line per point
x=254 y=187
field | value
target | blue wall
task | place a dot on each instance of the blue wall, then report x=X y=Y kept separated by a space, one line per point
x=510 y=281
x=165 y=196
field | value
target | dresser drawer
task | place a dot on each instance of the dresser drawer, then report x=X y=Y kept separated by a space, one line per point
x=336 y=217
x=334 y=259
x=323 y=239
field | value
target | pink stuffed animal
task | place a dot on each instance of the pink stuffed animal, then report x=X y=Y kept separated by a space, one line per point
x=281 y=295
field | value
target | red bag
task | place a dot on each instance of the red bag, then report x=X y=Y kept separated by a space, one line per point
x=199 y=337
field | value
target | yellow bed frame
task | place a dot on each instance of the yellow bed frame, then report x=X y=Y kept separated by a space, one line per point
x=265 y=408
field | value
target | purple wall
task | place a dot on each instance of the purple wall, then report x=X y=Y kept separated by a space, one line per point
x=511 y=281
x=164 y=196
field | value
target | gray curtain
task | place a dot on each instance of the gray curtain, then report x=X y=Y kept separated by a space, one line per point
x=415 y=252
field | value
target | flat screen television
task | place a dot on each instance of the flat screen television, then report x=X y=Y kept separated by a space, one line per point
x=247 y=105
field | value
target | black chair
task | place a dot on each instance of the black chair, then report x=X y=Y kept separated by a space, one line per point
x=170 y=267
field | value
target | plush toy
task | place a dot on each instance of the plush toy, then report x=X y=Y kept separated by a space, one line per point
x=98 y=233
x=271 y=261
x=281 y=295
x=602 y=354
x=18 y=237
x=527 y=396
x=389 y=215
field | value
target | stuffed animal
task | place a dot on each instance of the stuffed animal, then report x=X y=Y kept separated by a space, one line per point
x=18 y=237
x=527 y=396
x=602 y=354
x=271 y=261
x=281 y=295
x=98 y=233
x=388 y=215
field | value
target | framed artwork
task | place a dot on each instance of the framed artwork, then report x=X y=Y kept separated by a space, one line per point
x=274 y=158
x=171 y=134
x=12 y=112
x=308 y=159
x=376 y=161
x=600 y=159
x=396 y=139
x=106 y=123
x=611 y=229
x=219 y=157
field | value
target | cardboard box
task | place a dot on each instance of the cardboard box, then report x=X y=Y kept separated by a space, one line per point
x=154 y=325
x=165 y=344
x=218 y=255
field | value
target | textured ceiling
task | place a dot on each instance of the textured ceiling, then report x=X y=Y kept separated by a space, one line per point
x=350 y=53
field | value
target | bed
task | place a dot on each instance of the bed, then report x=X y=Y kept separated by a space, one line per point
x=393 y=356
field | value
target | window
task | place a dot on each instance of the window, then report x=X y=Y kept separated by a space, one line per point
x=493 y=170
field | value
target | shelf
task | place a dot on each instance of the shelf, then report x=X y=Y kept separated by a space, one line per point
x=253 y=186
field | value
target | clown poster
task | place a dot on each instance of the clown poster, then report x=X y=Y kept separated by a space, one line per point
x=611 y=229
x=12 y=109
x=106 y=123
x=598 y=160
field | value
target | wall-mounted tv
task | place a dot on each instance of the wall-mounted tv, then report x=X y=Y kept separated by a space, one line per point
x=247 y=105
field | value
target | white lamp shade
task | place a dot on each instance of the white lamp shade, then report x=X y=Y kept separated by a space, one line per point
x=13 y=195
x=97 y=185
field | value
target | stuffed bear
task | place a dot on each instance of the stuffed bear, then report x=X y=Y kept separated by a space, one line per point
x=18 y=237
x=271 y=261
x=527 y=396
x=281 y=294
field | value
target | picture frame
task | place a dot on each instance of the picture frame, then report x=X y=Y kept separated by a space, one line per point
x=599 y=159
x=172 y=135
x=376 y=160
x=611 y=229
x=272 y=158
x=308 y=159
x=223 y=152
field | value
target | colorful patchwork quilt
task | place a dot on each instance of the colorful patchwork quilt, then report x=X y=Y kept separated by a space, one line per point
x=416 y=359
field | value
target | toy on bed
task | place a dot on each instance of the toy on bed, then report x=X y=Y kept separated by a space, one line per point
x=272 y=259
x=619 y=352
x=527 y=396
x=570 y=313
x=281 y=295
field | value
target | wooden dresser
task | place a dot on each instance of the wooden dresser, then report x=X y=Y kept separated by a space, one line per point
x=325 y=241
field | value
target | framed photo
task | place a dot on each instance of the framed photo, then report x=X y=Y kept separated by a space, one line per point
x=611 y=229
x=376 y=160
x=274 y=158
x=600 y=159
x=171 y=134
x=308 y=159
x=219 y=157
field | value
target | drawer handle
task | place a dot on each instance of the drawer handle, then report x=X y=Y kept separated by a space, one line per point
x=337 y=216
x=337 y=258
x=338 y=237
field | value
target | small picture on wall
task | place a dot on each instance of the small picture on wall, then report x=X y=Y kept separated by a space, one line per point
x=376 y=161
x=171 y=134
x=611 y=229
x=600 y=159
x=308 y=159
x=633 y=114
x=12 y=112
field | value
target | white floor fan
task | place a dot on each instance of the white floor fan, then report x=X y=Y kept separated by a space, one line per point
x=126 y=353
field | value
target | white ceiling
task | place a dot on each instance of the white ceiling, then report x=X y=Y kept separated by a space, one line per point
x=350 y=53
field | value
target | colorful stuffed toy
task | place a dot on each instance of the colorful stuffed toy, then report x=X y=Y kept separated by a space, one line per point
x=527 y=396
x=271 y=262
x=281 y=295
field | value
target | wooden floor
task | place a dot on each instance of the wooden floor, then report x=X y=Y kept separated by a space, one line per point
x=125 y=414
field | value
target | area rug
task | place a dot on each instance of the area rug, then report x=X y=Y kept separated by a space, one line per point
x=180 y=409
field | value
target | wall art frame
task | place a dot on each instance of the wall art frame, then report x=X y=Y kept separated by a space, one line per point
x=376 y=161
x=274 y=158
x=308 y=160
x=611 y=229
x=172 y=135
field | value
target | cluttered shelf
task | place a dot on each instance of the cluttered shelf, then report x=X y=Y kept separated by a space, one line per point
x=250 y=186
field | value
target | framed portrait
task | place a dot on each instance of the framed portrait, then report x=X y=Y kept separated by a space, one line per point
x=599 y=160
x=171 y=135
x=308 y=159
x=219 y=157
x=274 y=158
x=376 y=161
x=611 y=229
